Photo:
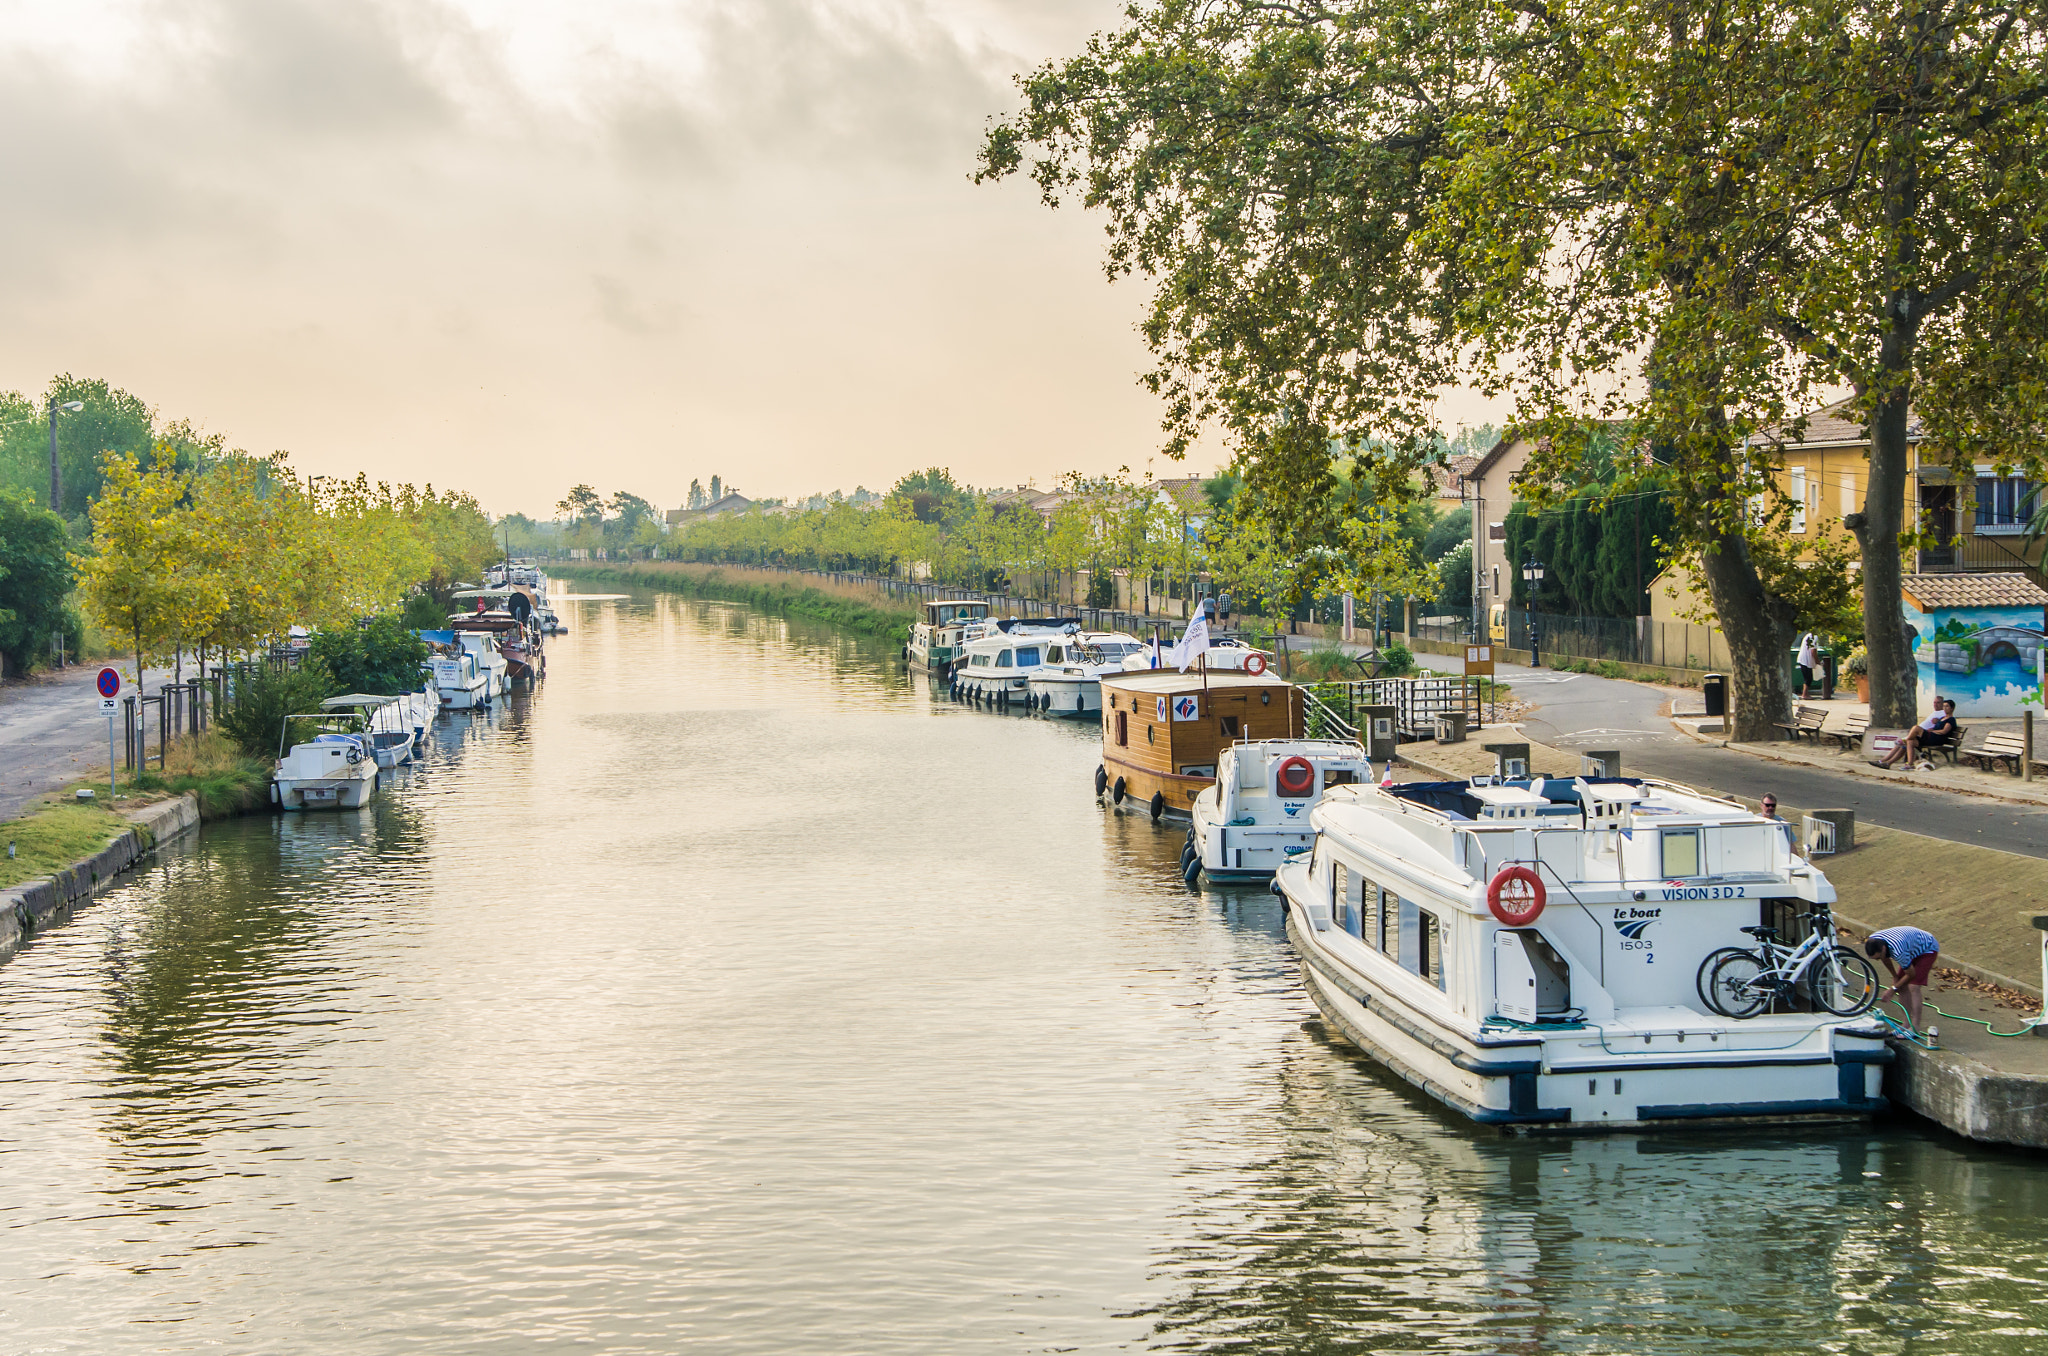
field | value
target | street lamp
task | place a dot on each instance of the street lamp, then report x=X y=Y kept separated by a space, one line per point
x=56 y=477
x=1532 y=579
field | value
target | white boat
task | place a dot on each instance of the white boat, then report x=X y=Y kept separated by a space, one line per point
x=1074 y=687
x=335 y=770
x=460 y=676
x=997 y=668
x=387 y=722
x=1527 y=953
x=935 y=641
x=1225 y=655
x=1256 y=816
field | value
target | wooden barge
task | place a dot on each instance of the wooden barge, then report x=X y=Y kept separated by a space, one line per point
x=1162 y=731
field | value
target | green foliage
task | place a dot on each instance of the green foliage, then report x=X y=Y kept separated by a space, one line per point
x=1596 y=553
x=1446 y=534
x=112 y=420
x=424 y=612
x=882 y=619
x=255 y=719
x=35 y=578
x=1454 y=578
x=379 y=655
x=1102 y=589
x=1399 y=660
x=53 y=837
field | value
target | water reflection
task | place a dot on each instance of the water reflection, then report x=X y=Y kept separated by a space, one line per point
x=736 y=990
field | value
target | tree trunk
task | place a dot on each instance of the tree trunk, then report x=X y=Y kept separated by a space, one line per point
x=1894 y=676
x=1758 y=626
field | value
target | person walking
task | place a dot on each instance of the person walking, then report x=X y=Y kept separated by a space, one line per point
x=1809 y=660
x=1909 y=953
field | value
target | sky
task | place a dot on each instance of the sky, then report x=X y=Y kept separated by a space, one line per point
x=512 y=245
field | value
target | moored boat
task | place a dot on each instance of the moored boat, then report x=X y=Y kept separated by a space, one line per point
x=935 y=640
x=386 y=722
x=1528 y=953
x=1072 y=685
x=1163 y=731
x=334 y=770
x=997 y=668
x=1256 y=814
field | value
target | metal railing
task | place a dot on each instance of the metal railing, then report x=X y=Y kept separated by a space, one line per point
x=1417 y=702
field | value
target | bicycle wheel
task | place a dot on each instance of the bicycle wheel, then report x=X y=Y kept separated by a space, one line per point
x=1732 y=988
x=1842 y=982
x=1706 y=970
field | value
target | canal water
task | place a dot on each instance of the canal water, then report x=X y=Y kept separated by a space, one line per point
x=732 y=994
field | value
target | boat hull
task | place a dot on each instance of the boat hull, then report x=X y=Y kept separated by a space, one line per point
x=1527 y=1088
x=326 y=793
x=1072 y=698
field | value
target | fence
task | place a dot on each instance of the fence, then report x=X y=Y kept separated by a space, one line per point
x=1628 y=640
x=1417 y=702
x=188 y=707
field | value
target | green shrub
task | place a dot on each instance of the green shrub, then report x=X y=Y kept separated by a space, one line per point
x=1400 y=660
x=255 y=719
x=1611 y=668
x=380 y=655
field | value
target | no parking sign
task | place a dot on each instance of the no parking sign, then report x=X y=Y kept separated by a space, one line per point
x=110 y=690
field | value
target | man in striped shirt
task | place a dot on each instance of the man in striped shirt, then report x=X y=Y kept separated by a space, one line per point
x=1909 y=953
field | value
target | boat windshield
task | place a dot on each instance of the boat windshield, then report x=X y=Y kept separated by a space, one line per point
x=1111 y=651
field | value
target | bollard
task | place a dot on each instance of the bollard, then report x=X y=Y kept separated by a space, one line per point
x=1600 y=762
x=1844 y=833
x=2027 y=747
x=2041 y=925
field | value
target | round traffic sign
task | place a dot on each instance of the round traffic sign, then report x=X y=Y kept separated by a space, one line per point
x=110 y=682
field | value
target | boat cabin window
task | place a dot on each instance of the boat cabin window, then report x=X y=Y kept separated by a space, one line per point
x=1338 y=776
x=1123 y=727
x=1230 y=727
x=1055 y=654
x=1681 y=853
x=1003 y=660
x=1421 y=942
x=1386 y=932
x=1027 y=658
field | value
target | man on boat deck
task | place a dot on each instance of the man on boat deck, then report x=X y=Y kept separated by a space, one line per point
x=1909 y=953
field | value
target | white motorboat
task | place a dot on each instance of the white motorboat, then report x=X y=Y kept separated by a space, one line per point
x=1528 y=953
x=1074 y=687
x=335 y=770
x=1256 y=816
x=460 y=671
x=997 y=668
x=386 y=722
x=935 y=641
x=1225 y=655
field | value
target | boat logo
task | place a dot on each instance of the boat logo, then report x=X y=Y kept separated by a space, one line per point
x=1292 y=810
x=1633 y=923
x=1187 y=708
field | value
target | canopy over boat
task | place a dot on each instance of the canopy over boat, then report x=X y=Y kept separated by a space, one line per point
x=356 y=699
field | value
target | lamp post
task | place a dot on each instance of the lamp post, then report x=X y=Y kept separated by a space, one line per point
x=56 y=476
x=1532 y=577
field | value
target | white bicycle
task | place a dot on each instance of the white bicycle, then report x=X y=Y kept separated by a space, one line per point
x=1738 y=983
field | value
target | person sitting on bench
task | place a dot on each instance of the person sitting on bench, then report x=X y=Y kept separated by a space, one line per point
x=1938 y=728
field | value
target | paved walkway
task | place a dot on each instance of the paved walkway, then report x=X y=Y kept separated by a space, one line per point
x=1585 y=711
x=52 y=733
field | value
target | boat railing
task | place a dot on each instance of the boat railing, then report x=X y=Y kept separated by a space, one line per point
x=1321 y=720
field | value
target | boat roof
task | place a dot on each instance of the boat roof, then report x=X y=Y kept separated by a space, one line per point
x=933 y=604
x=356 y=699
x=1647 y=797
x=1170 y=680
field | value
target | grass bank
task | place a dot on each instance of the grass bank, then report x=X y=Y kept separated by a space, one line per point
x=847 y=605
x=51 y=837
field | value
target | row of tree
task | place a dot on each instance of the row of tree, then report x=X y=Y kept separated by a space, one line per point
x=228 y=557
x=1694 y=218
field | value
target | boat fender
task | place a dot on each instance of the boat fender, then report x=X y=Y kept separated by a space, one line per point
x=1188 y=854
x=1296 y=777
x=1158 y=805
x=355 y=755
x=1516 y=895
x=1190 y=870
x=1101 y=780
x=1255 y=664
x=1116 y=792
x=1273 y=887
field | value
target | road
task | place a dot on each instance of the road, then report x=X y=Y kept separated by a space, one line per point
x=51 y=732
x=1584 y=711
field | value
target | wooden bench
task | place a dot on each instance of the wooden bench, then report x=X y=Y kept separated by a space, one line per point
x=1851 y=734
x=1805 y=723
x=2000 y=746
x=1947 y=747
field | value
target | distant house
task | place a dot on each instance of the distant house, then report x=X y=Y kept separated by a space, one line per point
x=1450 y=480
x=1044 y=503
x=678 y=517
x=727 y=504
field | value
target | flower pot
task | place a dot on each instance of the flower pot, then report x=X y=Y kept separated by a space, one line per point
x=1863 y=688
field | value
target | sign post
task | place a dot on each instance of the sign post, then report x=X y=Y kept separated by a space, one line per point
x=110 y=691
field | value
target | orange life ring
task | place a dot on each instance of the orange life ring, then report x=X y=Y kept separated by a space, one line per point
x=1516 y=896
x=1255 y=663
x=1296 y=777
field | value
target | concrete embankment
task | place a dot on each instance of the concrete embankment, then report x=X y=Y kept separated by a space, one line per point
x=1976 y=900
x=29 y=906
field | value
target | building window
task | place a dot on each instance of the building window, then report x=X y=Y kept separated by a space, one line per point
x=1796 y=491
x=1496 y=581
x=1848 y=494
x=2006 y=503
x=1497 y=531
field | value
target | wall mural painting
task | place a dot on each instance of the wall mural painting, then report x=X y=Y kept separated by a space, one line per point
x=1990 y=659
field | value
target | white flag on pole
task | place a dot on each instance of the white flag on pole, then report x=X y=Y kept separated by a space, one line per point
x=1193 y=641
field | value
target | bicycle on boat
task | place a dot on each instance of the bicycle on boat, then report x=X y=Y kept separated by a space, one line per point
x=1740 y=983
